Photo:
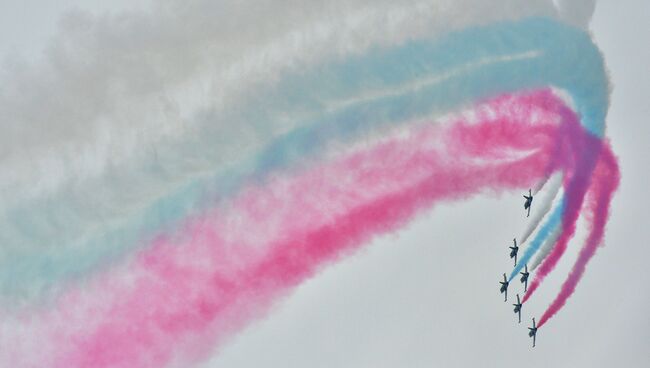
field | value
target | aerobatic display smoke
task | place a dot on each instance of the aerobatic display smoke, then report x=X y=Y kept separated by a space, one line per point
x=178 y=199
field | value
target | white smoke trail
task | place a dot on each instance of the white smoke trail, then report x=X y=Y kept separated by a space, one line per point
x=115 y=89
x=540 y=185
x=117 y=115
x=546 y=248
x=544 y=205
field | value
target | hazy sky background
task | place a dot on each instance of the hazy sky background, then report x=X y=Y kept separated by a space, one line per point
x=428 y=295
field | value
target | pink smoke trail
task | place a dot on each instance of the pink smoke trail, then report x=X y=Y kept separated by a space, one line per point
x=192 y=289
x=606 y=180
x=290 y=261
x=586 y=149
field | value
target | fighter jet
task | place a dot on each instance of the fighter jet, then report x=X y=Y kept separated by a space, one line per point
x=529 y=201
x=524 y=277
x=514 y=250
x=504 y=286
x=533 y=332
x=518 y=307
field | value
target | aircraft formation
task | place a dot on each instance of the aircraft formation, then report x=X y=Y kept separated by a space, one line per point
x=524 y=275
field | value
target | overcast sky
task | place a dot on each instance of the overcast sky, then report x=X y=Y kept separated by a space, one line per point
x=428 y=295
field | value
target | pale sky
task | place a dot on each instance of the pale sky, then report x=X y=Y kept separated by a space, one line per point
x=428 y=295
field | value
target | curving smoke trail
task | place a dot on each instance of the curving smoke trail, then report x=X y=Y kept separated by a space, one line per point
x=588 y=148
x=593 y=175
x=111 y=88
x=328 y=105
x=570 y=154
x=130 y=122
x=605 y=182
x=178 y=198
x=192 y=288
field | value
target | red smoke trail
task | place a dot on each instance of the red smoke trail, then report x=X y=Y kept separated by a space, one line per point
x=579 y=167
x=233 y=297
x=605 y=183
x=193 y=289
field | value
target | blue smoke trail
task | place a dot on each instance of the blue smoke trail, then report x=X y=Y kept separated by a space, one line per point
x=341 y=101
x=551 y=224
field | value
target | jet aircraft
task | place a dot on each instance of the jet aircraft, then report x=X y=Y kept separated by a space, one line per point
x=513 y=251
x=524 y=277
x=529 y=201
x=533 y=332
x=518 y=307
x=504 y=287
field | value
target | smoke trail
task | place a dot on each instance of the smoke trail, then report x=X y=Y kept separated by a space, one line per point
x=546 y=247
x=548 y=228
x=124 y=103
x=195 y=287
x=368 y=93
x=539 y=186
x=569 y=155
x=589 y=147
x=544 y=205
x=109 y=81
x=605 y=182
x=285 y=266
x=227 y=165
